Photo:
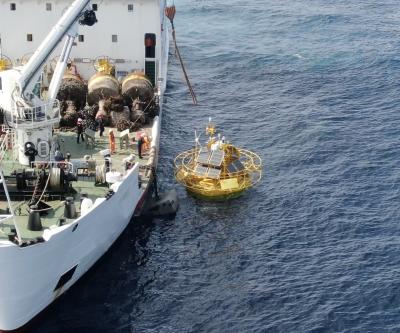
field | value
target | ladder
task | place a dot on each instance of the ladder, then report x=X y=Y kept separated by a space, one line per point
x=7 y=142
x=10 y=213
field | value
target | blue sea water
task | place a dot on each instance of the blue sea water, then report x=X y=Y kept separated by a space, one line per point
x=313 y=87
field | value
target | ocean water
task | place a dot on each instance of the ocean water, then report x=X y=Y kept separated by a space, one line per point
x=313 y=87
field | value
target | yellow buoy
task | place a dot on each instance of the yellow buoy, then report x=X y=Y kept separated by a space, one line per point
x=219 y=170
x=5 y=63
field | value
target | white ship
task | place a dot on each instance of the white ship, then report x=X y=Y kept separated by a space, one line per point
x=63 y=204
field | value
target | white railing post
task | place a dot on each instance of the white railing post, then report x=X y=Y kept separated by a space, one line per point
x=11 y=214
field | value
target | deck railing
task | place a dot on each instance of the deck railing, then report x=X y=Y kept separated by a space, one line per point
x=10 y=214
x=30 y=117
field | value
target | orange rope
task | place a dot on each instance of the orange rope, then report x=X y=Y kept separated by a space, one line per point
x=170 y=13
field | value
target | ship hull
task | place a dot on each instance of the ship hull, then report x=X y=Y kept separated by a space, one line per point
x=30 y=276
x=33 y=277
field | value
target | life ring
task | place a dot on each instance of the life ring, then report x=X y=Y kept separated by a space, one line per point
x=30 y=149
x=29 y=145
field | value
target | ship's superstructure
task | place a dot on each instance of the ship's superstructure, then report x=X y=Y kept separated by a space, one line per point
x=120 y=34
x=80 y=119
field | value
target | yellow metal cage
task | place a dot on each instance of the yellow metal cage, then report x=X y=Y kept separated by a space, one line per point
x=224 y=182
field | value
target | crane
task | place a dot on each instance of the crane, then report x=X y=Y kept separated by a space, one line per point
x=30 y=116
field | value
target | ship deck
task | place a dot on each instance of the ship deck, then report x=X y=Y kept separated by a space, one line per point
x=85 y=184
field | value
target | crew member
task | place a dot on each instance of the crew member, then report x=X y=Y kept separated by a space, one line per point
x=146 y=142
x=58 y=156
x=31 y=152
x=111 y=141
x=100 y=123
x=140 y=143
x=79 y=130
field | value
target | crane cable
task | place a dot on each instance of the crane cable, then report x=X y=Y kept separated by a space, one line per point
x=170 y=13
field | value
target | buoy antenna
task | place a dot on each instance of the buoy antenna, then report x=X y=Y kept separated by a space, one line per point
x=197 y=139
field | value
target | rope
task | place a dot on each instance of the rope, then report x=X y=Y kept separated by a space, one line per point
x=170 y=13
x=149 y=103
x=45 y=187
x=147 y=106
x=36 y=188
x=194 y=98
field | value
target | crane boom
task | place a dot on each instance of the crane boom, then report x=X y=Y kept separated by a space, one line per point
x=59 y=70
x=32 y=118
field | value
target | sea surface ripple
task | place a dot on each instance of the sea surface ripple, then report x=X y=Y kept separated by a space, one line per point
x=313 y=87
